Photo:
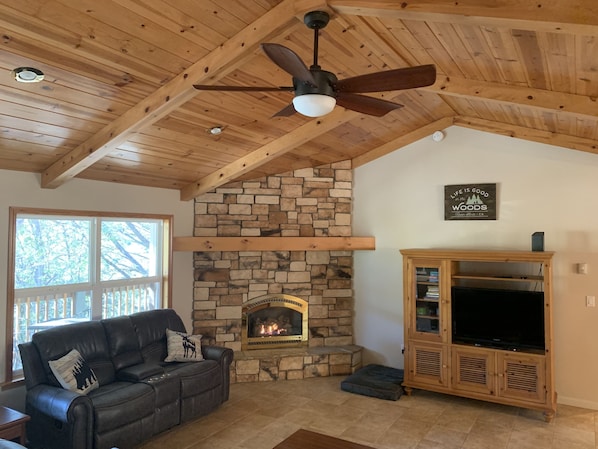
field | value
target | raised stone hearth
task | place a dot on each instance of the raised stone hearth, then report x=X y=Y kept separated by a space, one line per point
x=295 y=363
x=314 y=202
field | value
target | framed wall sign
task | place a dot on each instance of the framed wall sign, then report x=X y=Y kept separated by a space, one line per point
x=470 y=202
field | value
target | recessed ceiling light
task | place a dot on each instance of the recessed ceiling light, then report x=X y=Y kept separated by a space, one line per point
x=28 y=75
x=215 y=130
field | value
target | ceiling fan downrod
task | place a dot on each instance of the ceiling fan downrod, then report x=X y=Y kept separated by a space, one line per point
x=316 y=20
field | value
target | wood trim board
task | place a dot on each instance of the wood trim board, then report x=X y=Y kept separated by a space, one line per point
x=273 y=243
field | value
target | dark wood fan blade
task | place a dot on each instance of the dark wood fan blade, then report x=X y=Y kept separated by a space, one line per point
x=287 y=111
x=244 y=88
x=289 y=61
x=398 y=79
x=365 y=104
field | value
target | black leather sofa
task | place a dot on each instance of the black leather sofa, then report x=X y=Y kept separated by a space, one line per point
x=139 y=394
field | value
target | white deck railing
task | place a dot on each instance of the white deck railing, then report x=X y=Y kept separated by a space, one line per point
x=35 y=312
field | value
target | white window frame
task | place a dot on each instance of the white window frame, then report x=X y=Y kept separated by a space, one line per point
x=95 y=288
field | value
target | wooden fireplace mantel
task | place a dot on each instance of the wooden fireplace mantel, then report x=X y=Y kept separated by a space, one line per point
x=273 y=243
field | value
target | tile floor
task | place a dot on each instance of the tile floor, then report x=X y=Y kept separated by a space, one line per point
x=260 y=415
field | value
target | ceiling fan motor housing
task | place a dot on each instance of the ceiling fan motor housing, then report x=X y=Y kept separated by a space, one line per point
x=316 y=20
x=324 y=84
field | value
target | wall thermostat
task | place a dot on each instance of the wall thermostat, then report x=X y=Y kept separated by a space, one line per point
x=437 y=136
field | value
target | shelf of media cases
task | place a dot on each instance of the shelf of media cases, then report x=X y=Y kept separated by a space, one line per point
x=437 y=359
x=428 y=310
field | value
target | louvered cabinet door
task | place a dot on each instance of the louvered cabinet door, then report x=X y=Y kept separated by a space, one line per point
x=473 y=370
x=428 y=364
x=522 y=376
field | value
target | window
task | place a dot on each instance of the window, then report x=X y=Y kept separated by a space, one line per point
x=66 y=267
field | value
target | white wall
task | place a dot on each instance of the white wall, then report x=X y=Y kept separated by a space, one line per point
x=399 y=199
x=23 y=189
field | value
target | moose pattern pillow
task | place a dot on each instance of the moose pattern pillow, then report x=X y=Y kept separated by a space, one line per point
x=183 y=347
x=73 y=373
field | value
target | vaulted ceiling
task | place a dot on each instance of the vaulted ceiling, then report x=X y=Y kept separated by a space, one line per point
x=117 y=103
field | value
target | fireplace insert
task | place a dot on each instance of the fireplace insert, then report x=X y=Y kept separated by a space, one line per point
x=274 y=321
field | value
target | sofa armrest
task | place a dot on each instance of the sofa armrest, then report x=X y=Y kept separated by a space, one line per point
x=60 y=404
x=33 y=369
x=224 y=357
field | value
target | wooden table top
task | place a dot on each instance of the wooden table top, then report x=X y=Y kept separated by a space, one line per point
x=10 y=417
x=305 y=439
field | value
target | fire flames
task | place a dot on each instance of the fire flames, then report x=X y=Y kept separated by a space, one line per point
x=272 y=327
x=267 y=330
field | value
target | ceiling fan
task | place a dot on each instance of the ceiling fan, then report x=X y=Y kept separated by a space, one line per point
x=318 y=91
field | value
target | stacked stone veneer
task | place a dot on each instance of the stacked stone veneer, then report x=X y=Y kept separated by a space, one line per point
x=313 y=202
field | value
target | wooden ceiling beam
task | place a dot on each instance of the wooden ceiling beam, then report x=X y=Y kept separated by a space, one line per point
x=266 y=153
x=574 y=16
x=534 y=135
x=402 y=141
x=529 y=97
x=277 y=22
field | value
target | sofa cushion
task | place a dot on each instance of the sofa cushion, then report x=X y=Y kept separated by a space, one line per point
x=121 y=403
x=87 y=337
x=196 y=378
x=183 y=347
x=151 y=328
x=73 y=373
x=122 y=341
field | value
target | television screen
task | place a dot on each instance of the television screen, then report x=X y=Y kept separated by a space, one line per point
x=504 y=319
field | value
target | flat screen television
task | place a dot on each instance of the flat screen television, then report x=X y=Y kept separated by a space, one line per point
x=503 y=319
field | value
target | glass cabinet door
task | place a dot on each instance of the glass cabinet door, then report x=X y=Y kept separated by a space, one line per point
x=427 y=299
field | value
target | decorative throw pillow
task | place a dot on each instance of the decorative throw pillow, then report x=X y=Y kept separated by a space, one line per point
x=73 y=373
x=183 y=347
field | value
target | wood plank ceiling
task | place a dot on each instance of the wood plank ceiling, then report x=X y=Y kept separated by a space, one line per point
x=117 y=102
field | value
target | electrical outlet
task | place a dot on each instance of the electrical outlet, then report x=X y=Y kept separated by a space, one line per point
x=590 y=301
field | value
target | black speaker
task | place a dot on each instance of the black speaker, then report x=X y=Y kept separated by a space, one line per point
x=538 y=241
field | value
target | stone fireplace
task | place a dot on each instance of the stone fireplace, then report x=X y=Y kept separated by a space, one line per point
x=229 y=286
x=274 y=321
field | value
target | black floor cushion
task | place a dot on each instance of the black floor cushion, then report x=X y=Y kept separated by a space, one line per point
x=377 y=381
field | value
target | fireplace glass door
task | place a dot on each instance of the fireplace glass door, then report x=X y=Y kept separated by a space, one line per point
x=274 y=321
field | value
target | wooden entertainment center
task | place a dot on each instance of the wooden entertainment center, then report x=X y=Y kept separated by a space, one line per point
x=517 y=376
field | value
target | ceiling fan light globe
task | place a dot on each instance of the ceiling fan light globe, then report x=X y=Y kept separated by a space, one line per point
x=314 y=105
